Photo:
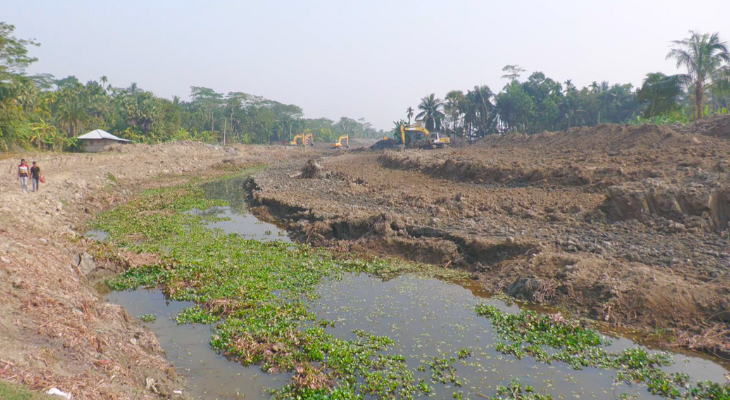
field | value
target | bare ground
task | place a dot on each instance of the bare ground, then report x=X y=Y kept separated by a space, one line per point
x=626 y=225
x=55 y=328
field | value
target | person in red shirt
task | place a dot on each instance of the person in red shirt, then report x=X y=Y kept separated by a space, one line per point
x=23 y=174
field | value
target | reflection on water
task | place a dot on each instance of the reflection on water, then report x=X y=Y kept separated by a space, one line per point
x=425 y=317
x=237 y=218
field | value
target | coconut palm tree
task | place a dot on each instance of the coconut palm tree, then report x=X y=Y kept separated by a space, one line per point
x=703 y=56
x=482 y=113
x=72 y=115
x=409 y=114
x=431 y=112
x=453 y=106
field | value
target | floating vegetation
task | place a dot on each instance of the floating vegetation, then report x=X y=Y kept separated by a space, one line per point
x=515 y=390
x=148 y=318
x=530 y=333
x=258 y=294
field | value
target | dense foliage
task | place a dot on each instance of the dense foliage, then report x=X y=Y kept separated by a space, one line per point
x=49 y=113
x=540 y=103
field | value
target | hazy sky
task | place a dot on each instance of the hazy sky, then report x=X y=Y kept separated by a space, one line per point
x=368 y=59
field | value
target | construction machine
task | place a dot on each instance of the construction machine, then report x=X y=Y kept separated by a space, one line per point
x=338 y=143
x=302 y=139
x=420 y=133
x=298 y=140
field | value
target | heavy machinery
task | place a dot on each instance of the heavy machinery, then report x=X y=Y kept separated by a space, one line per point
x=298 y=140
x=302 y=139
x=420 y=133
x=338 y=143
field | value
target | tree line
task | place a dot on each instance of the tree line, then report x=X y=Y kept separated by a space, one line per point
x=50 y=113
x=539 y=103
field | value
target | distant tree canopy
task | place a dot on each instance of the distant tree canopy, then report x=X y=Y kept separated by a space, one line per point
x=49 y=113
x=540 y=103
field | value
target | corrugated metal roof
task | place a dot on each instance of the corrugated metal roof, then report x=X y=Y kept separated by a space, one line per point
x=97 y=134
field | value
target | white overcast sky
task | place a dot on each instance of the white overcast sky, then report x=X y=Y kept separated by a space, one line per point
x=368 y=59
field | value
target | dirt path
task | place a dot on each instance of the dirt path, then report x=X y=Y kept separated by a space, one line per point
x=55 y=330
x=621 y=224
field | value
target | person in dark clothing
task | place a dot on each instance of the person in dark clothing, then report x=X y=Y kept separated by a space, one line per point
x=35 y=174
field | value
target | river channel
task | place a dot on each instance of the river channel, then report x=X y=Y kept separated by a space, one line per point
x=426 y=318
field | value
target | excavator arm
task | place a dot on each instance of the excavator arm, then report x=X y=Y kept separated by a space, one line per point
x=338 y=143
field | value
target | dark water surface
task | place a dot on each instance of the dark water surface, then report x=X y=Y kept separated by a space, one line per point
x=425 y=317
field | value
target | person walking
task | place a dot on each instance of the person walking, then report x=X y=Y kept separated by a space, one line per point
x=35 y=175
x=23 y=173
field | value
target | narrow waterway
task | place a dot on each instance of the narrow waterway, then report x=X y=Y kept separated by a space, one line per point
x=426 y=318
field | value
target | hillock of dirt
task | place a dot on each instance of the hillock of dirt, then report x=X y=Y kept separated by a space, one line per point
x=382 y=144
x=717 y=126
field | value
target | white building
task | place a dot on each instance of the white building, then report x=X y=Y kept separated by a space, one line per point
x=96 y=140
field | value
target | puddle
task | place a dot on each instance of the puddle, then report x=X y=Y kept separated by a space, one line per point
x=425 y=317
x=97 y=234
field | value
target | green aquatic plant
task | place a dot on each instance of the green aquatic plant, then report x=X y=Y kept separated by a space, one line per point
x=515 y=391
x=258 y=295
x=148 y=318
x=529 y=332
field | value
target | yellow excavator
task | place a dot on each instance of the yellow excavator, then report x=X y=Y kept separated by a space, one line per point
x=434 y=139
x=298 y=140
x=338 y=143
x=302 y=139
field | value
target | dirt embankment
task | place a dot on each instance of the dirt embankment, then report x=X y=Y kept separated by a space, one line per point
x=55 y=329
x=623 y=224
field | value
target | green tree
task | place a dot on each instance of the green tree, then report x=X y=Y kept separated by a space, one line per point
x=431 y=112
x=409 y=114
x=14 y=57
x=659 y=94
x=481 y=113
x=72 y=116
x=42 y=133
x=454 y=102
x=703 y=56
x=208 y=102
x=512 y=72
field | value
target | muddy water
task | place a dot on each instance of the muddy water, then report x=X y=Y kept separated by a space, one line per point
x=209 y=375
x=425 y=317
